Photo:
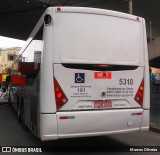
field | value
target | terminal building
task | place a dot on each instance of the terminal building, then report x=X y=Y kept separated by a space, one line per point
x=7 y=57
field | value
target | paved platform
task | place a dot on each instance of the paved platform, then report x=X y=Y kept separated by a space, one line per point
x=155 y=126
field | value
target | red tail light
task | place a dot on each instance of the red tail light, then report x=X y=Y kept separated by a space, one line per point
x=60 y=97
x=139 y=94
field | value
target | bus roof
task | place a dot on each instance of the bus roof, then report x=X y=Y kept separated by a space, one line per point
x=96 y=11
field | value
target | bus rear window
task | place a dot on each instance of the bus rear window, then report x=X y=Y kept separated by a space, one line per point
x=92 y=38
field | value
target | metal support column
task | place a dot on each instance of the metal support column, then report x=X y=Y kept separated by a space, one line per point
x=130 y=6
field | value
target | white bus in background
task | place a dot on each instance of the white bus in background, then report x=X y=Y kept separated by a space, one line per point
x=83 y=72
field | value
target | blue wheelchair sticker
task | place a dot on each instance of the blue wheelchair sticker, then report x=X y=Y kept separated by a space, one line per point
x=79 y=78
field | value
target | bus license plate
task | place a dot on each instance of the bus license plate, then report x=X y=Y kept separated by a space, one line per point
x=103 y=104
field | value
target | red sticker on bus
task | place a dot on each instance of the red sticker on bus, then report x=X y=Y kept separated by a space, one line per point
x=102 y=75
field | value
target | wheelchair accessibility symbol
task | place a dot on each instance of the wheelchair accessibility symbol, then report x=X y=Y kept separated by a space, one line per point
x=79 y=78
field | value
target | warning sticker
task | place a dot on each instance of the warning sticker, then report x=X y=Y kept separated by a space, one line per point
x=102 y=75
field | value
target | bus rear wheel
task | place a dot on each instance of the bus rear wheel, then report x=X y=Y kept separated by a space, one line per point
x=22 y=118
x=18 y=111
x=21 y=114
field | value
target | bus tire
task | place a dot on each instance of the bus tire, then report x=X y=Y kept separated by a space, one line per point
x=9 y=99
x=18 y=111
x=22 y=117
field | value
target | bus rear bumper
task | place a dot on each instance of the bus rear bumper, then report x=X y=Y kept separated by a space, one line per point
x=145 y=121
x=92 y=123
x=48 y=127
x=101 y=122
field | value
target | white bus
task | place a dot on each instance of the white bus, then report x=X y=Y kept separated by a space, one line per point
x=83 y=72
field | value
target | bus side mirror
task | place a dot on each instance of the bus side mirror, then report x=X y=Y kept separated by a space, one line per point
x=8 y=79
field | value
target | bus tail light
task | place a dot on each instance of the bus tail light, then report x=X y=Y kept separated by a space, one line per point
x=139 y=95
x=60 y=97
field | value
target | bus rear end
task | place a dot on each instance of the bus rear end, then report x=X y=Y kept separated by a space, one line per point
x=100 y=80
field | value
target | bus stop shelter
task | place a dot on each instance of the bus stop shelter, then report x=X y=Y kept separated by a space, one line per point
x=154 y=61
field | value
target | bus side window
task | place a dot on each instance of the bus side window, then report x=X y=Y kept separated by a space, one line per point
x=37 y=59
x=31 y=58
